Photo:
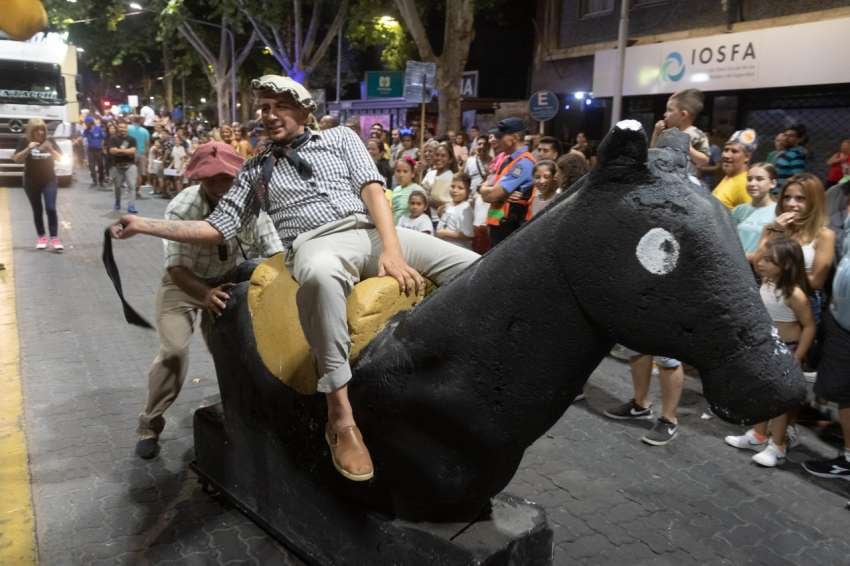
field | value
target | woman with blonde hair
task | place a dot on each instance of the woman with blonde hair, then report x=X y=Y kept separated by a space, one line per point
x=38 y=154
x=801 y=216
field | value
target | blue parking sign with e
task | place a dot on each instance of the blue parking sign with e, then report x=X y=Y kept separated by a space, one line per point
x=543 y=105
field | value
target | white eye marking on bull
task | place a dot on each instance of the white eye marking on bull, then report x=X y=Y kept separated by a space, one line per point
x=658 y=251
x=633 y=125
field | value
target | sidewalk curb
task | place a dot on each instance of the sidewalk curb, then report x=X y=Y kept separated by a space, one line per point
x=17 y=525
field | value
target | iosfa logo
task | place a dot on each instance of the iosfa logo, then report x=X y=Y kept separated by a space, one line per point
x=673 y=68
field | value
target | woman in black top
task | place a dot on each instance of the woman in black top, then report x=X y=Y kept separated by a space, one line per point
x=38 y=154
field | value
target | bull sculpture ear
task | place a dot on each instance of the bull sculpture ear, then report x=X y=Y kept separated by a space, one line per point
x=625 y=145
x=670 y=154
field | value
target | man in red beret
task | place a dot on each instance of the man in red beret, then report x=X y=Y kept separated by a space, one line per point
x=196 y=279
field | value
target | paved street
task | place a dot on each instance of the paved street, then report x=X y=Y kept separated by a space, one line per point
x=610 y=498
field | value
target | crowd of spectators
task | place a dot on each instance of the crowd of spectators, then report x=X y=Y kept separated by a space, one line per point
x=161 y=147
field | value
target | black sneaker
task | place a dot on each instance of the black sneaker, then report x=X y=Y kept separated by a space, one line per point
x=663 y=432
x=147 y=448
x=630 y=410
x=837 y=468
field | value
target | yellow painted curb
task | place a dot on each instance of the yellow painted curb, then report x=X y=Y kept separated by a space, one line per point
x=17 y=535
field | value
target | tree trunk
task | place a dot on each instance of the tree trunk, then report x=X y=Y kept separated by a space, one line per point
x=222 y=99
x=459 y=32
x=448 y=101
x=168 y=75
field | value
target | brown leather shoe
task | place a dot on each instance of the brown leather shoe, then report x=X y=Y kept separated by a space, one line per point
x=349 y=453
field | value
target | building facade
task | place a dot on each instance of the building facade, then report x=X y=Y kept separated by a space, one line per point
x=761 y=64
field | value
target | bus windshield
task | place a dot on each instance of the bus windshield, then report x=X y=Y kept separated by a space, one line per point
x=26 y=82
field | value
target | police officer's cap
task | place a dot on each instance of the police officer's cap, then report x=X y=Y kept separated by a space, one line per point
x=509 y=126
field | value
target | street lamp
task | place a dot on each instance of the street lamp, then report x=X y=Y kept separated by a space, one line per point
x=388 y=21
x=136 y=6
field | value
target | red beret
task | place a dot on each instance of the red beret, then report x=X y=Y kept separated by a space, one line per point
x=211 y=159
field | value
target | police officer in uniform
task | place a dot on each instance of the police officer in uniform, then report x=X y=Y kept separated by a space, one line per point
x=508 y=190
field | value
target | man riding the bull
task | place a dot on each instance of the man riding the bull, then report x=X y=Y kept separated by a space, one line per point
x=326 y=199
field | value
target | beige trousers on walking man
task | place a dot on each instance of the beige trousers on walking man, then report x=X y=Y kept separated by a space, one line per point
x=328 y=261
x=175 y=320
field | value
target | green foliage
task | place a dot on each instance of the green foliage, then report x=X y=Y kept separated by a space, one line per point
x=376 y=23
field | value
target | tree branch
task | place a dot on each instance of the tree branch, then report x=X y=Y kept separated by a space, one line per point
x=187 y=32
x=275 y=47
x=335 y=28
x=310 y=39
x=246 y=50
x=223 y=43
x=281 y=49
x=297 y=53
x=407 y=8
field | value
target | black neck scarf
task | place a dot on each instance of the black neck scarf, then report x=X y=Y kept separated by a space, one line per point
x=288 y=151
x=130 y=314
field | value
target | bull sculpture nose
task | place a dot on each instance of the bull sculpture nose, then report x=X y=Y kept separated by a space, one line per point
x=756 y=384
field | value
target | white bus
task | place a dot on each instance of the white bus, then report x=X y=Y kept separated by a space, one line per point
x=38 y=79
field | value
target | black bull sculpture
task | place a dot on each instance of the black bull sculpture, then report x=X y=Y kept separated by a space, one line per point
x=450 y=394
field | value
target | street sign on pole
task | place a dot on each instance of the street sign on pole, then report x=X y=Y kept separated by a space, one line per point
x=543 y=105
x=419 y=81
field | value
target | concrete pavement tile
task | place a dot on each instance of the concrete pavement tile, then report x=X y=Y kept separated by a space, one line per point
x=571 y=527
x=765 y=556
x=586 y=546
x=745 y=535
x=634 y=553
x=656 y=539
x=788 y=544
x=230 y=545
x=625 y=512
x=267 y=552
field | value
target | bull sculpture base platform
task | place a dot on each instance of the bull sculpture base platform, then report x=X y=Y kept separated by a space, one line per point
x=322 y=529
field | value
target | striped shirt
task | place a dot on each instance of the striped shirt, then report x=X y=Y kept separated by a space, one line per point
x=341 y=168
x=257 y=237
x=789 y=163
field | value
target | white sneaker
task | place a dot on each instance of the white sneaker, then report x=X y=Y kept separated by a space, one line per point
x=746 y=441
x=770 y=457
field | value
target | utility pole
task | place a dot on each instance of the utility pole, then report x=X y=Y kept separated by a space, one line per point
x=339 y=60
x=622 y=36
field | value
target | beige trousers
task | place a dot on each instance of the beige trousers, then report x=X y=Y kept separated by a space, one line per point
x=176 y=312
x=328 y=261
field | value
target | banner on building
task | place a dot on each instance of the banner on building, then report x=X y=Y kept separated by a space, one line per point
x=801 y=54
